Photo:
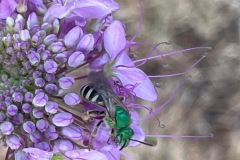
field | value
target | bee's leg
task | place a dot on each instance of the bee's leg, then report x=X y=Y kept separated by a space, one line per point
x=92 y=114
x=90 y=146
x=112 y=137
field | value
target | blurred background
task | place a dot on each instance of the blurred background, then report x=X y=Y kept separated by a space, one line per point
x=209 y=101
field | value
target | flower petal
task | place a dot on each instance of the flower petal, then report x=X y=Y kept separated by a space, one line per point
x=85 y=154
x=95 y=8
x=6 y=8
x=114 y=39
x=134 y=76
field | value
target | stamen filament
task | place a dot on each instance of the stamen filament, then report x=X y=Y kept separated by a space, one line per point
x=177 y=136
x=172 y=53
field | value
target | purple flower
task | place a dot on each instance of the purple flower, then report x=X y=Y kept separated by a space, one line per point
x=48 y=51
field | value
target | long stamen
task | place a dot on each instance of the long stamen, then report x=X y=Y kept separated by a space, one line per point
x=172 y=53
x=168 y=75
x=182 y=81
x=178 y=136
x=140 y=21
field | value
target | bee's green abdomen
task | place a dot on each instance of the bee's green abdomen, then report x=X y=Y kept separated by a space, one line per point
x=122 y=117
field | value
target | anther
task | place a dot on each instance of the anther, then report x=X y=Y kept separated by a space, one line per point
x=159 y=84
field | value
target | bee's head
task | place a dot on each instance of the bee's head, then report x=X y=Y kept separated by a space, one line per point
x=124 y=136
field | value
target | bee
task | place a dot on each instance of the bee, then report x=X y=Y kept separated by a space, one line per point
x=116 y=114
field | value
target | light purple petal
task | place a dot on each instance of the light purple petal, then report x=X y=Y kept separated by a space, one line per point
x=62 y=119
x=76 y=59
x=71 y=99
x=60 y=11
x=85 y=154
x=134 y=76
x=99 y=62
x=95 y=8
x=66 y=82
x=114 y=38
x=38 y=154
x=20 y=155
x=6 y=8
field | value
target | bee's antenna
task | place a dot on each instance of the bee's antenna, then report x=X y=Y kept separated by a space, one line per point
x=145 y=143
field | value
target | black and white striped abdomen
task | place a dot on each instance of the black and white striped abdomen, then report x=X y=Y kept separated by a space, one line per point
x=89 y=93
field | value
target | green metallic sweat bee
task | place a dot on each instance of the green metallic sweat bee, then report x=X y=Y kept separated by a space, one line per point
x=116 y=115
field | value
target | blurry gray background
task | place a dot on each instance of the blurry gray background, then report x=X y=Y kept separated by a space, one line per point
x=209 y=102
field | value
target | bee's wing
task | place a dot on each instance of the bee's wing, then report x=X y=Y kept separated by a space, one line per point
x=108 y=98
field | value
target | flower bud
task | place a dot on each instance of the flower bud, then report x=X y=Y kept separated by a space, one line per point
x=76 y=59
x=19 y=23
x=62 y=119
x=42 y=125
x=43 y=146
x=66 y=82
x=37 y=112
x=56 y=26
x=71 y=99
x=47 y=27
x=50 y=39
x=51 y=89
x=33 y=57
x=6 y=128
x=51 y=107
x=72 y=37
x=51 y=133
x=13 y=142
x=2 y=117
x=28 y=96
x=38 y=38
x=56 y=47
x=72 y=132
x=32 y=20
x=12 y=110
x=50 y=66
x=36 y=137
x=85 y=45
x=24 y=35
x=17 y=97
x=40 y=99
x=63 y=146
x=61 y=58
x=29 y=127
x=17 y=119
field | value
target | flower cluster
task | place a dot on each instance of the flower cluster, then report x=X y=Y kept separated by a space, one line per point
x=43 y=43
